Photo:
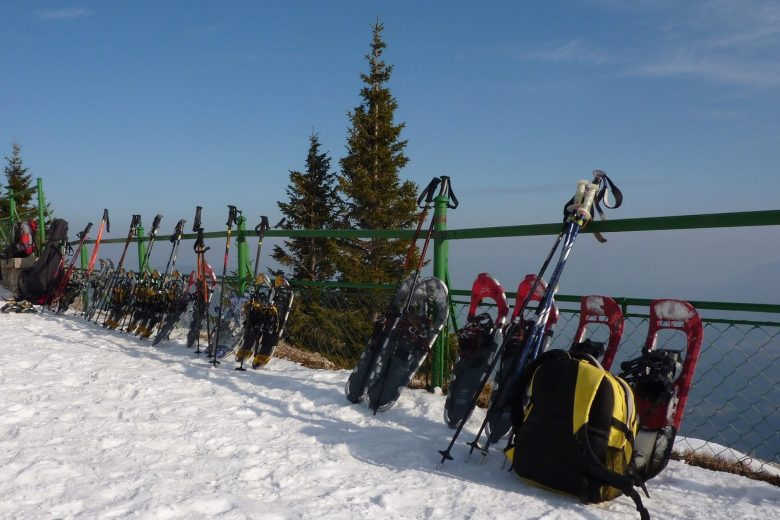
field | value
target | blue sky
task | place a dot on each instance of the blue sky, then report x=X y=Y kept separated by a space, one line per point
x=155 y=107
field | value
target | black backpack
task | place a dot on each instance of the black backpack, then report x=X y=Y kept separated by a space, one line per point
x=574 y=426
x=39 y=281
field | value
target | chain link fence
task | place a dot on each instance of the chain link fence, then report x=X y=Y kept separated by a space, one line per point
x=733 y=409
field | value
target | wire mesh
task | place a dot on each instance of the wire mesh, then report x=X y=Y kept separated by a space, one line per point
x=733 y=409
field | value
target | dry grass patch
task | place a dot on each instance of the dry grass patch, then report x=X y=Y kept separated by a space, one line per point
x=716 y=464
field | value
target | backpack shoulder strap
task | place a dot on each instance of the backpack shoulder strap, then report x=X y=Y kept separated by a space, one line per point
x=600 y=472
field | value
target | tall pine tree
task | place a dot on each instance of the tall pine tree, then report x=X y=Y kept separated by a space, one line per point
x=313 y=204
x=18 y=180
x=374 y=196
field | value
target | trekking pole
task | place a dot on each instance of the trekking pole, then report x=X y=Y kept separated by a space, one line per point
x=260 y=229
x=577 y=215
x=243 y=352
x=510 y=331
x=232 y=214
x=444 y=191
x=115 y=306
x=102 y=302
x=201 y=287
x=129 y=313
x=355 y=386
x=104 y=224
x=54 y=304
x=178 y=231
x=152 y=239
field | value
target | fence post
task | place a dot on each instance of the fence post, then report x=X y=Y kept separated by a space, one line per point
x=84 y=267
x=440 y=249
x=41 y=215
x=139 y=233
x=243 y=272
x=12 y=208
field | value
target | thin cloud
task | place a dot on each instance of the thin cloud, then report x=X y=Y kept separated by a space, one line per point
x=574 y=51
x=69 y=13
x=721 y=42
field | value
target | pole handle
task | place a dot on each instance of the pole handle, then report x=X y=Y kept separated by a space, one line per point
x=261 y=228
x=446 y=191
x=105 y=219
x=178 y=231
x=232 y=214
x=197 y=223
x=155 y=225
x=428 y=193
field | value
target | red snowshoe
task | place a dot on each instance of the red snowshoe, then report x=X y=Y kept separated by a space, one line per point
x=661 y=379
x=478 y=341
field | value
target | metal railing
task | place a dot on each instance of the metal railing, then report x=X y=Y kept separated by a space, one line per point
x=734 y=401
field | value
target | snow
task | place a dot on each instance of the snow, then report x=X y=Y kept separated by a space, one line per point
x=674 y=310
x=595 y=305
x=98 y=424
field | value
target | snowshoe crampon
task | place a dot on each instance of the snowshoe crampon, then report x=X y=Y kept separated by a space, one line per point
x=478 y=341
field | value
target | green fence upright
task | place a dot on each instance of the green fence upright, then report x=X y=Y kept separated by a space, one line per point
x=12 y=209
x=41 y=215
x=141 y=249
x=241 y=247
x=439 y=365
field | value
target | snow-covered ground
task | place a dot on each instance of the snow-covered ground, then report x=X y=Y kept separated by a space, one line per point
x=98 y=424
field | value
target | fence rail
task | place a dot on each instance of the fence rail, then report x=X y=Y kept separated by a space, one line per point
x=734 y=403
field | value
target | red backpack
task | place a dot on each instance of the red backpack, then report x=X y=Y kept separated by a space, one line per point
x=24 y=238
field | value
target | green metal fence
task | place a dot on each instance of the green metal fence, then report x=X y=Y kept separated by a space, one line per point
x=40 y=214
x=733 y=406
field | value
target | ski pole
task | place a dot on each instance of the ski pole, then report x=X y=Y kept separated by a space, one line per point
x=201 y=287
x=54 y=304
x=102 y=302
x=355 y=390
x=178 y=231
x=510 y=331
x=260 y=230
x=444 y=191
x=577 y=212
x=232 y=214
x=128 y=312
x=104 y=224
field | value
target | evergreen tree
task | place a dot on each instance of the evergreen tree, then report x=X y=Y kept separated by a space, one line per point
x=375 y=197
x=18 y=180
x=313 y=204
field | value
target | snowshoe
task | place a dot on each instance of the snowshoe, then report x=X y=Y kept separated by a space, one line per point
x=282 y=302
x=599 y=310
x=355 y=387
x=478 y=340
x=408 y=343
x=661 y=380
x=500 y=421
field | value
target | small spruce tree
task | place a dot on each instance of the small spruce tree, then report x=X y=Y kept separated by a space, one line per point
x=313 y=204
x=18 y=180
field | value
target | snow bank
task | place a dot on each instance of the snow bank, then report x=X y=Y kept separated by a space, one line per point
x=96 y=424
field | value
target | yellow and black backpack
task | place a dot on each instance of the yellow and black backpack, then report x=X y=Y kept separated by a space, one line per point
x=574 y=426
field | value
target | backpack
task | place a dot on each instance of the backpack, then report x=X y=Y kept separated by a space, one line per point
x=24 y=240
x=574 y=427
x=39 y=281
